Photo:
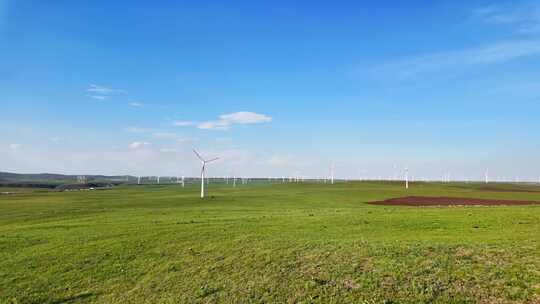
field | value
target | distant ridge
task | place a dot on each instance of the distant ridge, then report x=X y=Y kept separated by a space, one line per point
x=9 y=177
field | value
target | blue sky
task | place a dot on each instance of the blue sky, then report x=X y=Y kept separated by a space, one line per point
x=276 y=88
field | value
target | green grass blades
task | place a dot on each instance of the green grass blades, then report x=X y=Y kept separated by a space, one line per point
x=268 y=243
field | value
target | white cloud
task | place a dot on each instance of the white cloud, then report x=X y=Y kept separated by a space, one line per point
x=182 y=123
x=495 y=14
x=436 y=63
x=98 y=97
x=102 y=90
x=520 y=18
x=245 y=118
x=524 y=16
x=225 y=121
x=136 y=104
x=213 y=125
x=504 y=51
x=14 y=147
x=240 y=118
x=138 y=144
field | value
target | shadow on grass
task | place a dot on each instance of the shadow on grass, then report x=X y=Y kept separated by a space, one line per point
x=74 y=299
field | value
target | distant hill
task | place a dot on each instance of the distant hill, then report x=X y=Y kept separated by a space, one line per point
x=52 y=180
x=52 y=177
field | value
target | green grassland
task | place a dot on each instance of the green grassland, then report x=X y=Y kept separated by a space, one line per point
x=268 y=243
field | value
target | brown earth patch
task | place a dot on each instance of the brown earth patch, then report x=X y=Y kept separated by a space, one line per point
x=448 y=201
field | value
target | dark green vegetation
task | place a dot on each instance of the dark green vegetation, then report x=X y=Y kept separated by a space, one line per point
x=297 y=243
x=59 y=181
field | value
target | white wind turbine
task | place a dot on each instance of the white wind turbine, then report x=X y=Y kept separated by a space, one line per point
x=406 y=178
x=203 y=169
x=332 y=169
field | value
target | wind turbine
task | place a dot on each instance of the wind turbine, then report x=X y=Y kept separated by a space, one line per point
x=406 y=178
x=203 y=169
x=332 y=168
x=486 y=176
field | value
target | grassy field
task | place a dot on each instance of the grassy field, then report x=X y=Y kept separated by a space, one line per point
x=268 y=243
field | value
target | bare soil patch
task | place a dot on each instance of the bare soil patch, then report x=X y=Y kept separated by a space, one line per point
x=449 y=201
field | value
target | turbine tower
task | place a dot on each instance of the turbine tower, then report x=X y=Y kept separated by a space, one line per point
x=203 y=169
x=406 y=178
x=486 y=176
x=332 y=168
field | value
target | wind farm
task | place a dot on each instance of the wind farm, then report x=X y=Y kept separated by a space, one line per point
x=370 y=152
x=330 y=241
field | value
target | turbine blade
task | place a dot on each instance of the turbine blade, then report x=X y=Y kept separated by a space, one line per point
x=211 y=160
x=198 y=155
